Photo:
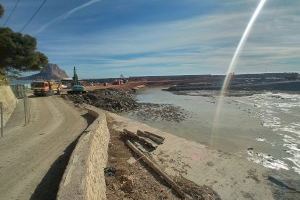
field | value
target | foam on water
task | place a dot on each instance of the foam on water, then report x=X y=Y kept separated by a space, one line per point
x=293 y=149
x=277 y=112
x=290 y=129
x=267 y=160
x=261 y=139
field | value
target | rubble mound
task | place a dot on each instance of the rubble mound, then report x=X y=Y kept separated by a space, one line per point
x=109 y=99
x=117 y=101
x=157 y=112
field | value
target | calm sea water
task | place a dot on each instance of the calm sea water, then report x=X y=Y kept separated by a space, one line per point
x=265 y=128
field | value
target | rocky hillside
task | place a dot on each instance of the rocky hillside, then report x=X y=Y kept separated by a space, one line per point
x=49 y=72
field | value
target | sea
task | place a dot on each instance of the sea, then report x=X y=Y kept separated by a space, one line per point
x=263 y=127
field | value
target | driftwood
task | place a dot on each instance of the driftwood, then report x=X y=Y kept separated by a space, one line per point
x=156 y=138
x=140 y=147
x=129 y=133
x=146 y=141
x=152 y=165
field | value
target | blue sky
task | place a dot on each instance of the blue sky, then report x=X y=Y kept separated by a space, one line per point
x=106 y=38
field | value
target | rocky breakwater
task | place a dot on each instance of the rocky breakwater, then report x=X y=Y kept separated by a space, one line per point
x=109 y=99
x=286 y=86
x=119 y=101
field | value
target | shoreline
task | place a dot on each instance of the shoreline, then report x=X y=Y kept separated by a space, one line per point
x=231 y=176
x=228 y=173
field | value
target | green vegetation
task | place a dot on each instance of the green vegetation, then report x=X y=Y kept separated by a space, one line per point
x=18 y=53
x=1 y=10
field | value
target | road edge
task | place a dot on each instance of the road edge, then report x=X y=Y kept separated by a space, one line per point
x=84 y=175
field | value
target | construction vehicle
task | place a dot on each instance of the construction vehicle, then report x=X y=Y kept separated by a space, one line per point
x=45 y=88
x=76 y=88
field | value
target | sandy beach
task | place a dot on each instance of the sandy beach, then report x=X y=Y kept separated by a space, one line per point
x=230 y=175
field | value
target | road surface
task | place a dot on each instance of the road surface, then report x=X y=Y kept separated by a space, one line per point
x=33 y=157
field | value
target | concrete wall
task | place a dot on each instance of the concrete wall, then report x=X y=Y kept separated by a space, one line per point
x=84 y=177
x=9 y=101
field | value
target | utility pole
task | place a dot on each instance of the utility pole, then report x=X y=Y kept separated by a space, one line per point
x=25 y=109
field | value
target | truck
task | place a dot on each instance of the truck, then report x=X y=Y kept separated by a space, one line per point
x=45 y=88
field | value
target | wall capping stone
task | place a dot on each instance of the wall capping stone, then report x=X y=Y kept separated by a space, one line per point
x=84 y=178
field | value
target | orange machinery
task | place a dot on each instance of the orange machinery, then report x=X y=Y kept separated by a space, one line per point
x=45 y=88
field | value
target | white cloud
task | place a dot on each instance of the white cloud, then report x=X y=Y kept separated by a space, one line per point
x=198 y=44
x=66 y=15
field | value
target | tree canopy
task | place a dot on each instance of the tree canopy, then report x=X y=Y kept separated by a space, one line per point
x=1 y=10
x=18 y=52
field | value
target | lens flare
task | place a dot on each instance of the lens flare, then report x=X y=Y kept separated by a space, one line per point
x=234 y=59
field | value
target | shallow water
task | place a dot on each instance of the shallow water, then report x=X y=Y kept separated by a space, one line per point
x=265 y=128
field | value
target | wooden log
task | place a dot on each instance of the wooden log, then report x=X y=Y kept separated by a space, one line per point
x=140 y=147
x=153 y=137
x=147 y=142
x=151 y=164
x=129 y=133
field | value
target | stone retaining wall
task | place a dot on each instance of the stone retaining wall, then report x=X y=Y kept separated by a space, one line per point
x=84 y=177
x=9 y=101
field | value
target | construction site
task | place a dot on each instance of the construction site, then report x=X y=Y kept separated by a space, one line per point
x=81 y=151
x=130 y=100
x=85 y=150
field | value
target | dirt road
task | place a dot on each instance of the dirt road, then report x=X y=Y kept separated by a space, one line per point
x=33 y=157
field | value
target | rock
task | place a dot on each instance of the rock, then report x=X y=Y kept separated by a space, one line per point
x=109 y=171
x=108 y=99
x=115 y=186
x=117 y=101
x=127 y=183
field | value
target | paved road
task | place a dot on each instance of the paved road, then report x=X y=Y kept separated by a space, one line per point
x=33 y=157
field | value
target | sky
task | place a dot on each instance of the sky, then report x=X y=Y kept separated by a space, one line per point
x=107 y=38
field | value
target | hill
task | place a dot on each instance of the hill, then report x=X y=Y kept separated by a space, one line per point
x=49 y=72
